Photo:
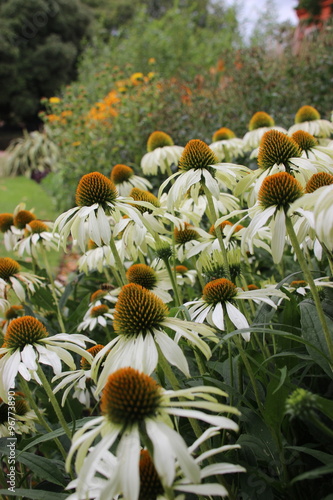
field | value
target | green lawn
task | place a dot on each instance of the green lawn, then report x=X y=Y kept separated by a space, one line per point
x=15 y=190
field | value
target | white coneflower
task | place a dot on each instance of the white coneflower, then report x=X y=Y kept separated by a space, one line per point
x=321 y=156
x=260 y=123
x=98 y=258
x=140 y=320
x=187 y=237
x=323 y=217
x=162 y=154
x=308 y=119
x=185 y=276
x=108 y=483
x=37 y=234
x=199 y=165
x=155 y=278
x=96 y=198
x=226 y=145
x=277 y=193
x=78 y=380
x=133 y=405
x=27 y=343
x=9 y=314
x=24 y=417
x=124 y=179
x=219 y=298
x=11 y=278
x=98 y=314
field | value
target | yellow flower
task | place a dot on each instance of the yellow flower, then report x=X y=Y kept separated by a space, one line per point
x=54 y=100
x=76 y=143
x=152 y=60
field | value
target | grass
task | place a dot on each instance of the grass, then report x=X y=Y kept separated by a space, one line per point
x=15 y=190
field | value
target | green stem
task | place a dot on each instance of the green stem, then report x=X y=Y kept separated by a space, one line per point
x=173 y=282
x=200 y=278
x=249 y=371
x=119 y=264
x=53 y=289
x=218 y=231
x=26 y=390
x=320 y=425
x=53 y=400
x=169 y=171
x=309 y=279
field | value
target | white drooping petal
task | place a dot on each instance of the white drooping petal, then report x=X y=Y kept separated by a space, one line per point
x=238 y=319
x=128 y=453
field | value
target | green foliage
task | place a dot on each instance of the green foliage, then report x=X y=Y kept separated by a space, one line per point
x=40 y=44
x=32 y=155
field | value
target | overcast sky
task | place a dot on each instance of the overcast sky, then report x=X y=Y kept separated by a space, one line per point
x=250 y=10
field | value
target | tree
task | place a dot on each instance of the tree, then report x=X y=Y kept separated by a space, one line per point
x=39 y=45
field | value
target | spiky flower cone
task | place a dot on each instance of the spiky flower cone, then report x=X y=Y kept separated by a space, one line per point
x=143 y=275
x=276 y=148
x=317 y=181
x=305 y=140
x=158 y=139
x=223 y=134
x=130 y=396
x=196 y=155
x=121 y=173
x=95 y=188
x=138 y=311
x=279 y=190
x=219 y=290
x=23 y=331
x=306 y=114
x=261 y=119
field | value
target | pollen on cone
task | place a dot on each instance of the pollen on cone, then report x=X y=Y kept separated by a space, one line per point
x=85 y=365
x=223 y=134
x=261 y=119
x=197 y=154
x=158 y=139
x=6 y=220
x=279 y=189
x=141 y=274
x=188 y=233
x=23 y=331
x=317 y=181
x=95 y=188
x=8 y=267
x=276 y=148
x=305 y=140
x=307 y=114
x=219 y=290
x=22 y=218
x=130 y=396
x=121 y=173
x=138 y=310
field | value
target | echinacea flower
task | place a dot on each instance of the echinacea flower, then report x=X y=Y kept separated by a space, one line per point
x=323 y=217
x=302 y=288
x=162 y=153
x=96 y=198
x=97 y=258
x=98 y=314
x=12 y=278
x=187 y=237
x=198 y=164
x=185 y=276
x=6 y=224
x=218 y=299
x=154 y=278
x=277 y=193
x=108 y=481
x=260 y=123
x=134 y=405
x=27 y=343
x=79 y=380
x=22 y=218
x=11 y=313
x=226 y=145
x=124 y=179
x=322 y=156
x=308 y=119
x=17 y=415
x=37 y=234
x=140 y=320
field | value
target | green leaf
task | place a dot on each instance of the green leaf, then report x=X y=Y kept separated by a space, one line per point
x=325 y=458
x=312 y=331
x=57 y=433
x=34 y=494
x=277 y=394
x=44 y=468
x=313 y=474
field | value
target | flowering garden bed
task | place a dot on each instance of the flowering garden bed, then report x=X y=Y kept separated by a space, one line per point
x=189 y=353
